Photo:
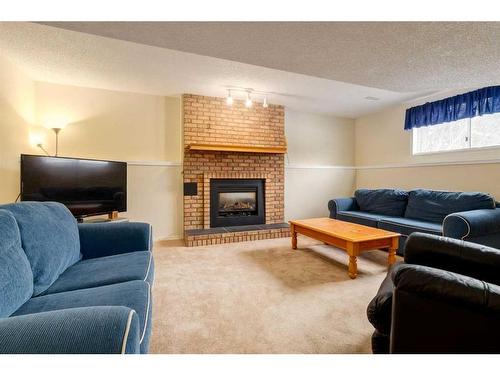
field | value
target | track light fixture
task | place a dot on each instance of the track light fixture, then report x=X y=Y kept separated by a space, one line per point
x=248 y=102
x=249 y=92
x=229 y=99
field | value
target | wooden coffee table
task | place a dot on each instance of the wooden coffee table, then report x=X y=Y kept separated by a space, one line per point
x=353 y=238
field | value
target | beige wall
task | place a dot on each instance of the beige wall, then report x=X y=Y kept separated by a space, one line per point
x=318 y=166
x=17 y=111
x=110 y=124
x=144 y=130
x=155 y=196
x=384 y=148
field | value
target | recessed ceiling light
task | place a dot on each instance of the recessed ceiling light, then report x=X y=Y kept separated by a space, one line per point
x=371 y=98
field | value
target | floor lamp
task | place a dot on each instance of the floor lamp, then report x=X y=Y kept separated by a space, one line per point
x=56 y=131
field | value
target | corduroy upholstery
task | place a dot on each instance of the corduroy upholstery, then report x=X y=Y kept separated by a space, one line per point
x=101 y=304
x=103 y=271
x=49 y=238
x=16 y=278
x=85 y=330
x=133 y=294
x=96 y=240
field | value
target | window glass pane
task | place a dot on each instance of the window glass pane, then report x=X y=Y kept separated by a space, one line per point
x=443 y=137
x=485 y=130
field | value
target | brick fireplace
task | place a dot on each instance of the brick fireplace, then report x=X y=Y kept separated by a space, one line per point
x=224 y=143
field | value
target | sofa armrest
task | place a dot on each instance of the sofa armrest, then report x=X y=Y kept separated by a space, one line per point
x=465 y=258
x=104 y=239
x=342 y=204
x=475 y=223
x=436 y=311
x=86 y=330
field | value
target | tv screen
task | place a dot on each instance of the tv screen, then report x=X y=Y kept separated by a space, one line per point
x=86 y=187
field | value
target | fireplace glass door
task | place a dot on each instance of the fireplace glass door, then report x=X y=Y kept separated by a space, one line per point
x=238 y=203
x=235 y=202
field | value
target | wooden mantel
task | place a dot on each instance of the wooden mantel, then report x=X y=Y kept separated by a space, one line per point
x=237 y=148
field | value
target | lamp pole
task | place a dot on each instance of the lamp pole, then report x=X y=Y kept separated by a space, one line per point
x=56 y=131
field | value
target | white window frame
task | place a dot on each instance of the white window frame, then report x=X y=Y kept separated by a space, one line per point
x=459 y=150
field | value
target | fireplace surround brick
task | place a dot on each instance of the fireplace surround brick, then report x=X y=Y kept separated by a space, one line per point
x=209 y=120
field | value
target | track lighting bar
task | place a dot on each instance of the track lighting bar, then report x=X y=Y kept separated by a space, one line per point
x=248 y=100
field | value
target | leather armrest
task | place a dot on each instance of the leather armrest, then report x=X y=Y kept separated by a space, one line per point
x=466 y=258
x=447 y=286
x=436 y=311
x=379 y=309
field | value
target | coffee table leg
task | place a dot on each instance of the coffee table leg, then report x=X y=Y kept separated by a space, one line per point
x=294 y=236
x=352 y=250
x=392 y=251
x=353 y=267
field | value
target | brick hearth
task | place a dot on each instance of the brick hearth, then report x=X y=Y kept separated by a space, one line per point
x=209 y=120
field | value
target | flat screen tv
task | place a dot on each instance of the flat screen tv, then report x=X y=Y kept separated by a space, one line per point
x=87 y=187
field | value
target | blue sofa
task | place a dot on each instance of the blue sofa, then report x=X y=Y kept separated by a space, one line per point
x=73 y=288
x=473 y=217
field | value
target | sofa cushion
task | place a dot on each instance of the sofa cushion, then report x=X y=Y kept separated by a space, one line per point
x=408 y=226
x=102 y=271
x=390 y=202
x=431 y=205
x=132 y=294
x=360 y=217
x=49 y=236
x=16 y=278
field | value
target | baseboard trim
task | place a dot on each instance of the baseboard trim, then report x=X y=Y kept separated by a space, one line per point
x=169 y=238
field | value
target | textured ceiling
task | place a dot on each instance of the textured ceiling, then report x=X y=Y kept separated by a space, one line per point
x=396 y=56
x=61 y=56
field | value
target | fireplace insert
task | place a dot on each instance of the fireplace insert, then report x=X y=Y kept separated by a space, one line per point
x=236 y=202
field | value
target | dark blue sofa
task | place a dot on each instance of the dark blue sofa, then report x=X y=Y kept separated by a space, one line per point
x=472 y=217
x=73 y=288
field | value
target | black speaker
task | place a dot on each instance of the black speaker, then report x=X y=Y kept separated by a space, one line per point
x=190 y=188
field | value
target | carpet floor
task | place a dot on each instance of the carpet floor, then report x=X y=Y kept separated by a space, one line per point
x=262 y=297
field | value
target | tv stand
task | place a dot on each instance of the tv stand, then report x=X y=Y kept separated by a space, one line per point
x=112 y=218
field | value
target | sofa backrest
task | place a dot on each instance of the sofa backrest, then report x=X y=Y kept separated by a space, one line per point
x=16 y=278
x=49 y=237
x=434 y=206
x=391 y=202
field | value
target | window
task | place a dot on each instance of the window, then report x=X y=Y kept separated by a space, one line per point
x=470 y=133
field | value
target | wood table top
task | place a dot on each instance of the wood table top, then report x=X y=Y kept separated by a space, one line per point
x=344 y=230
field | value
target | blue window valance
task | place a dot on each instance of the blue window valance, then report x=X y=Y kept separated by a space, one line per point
x=475 y=103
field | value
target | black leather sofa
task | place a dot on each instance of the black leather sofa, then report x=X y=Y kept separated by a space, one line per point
x=444 y=298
